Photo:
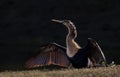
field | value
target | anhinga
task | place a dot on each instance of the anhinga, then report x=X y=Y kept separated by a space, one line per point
x=54 y=54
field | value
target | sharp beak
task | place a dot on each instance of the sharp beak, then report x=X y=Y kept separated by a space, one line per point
x=59 y=21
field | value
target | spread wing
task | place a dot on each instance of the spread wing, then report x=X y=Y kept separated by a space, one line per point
x=50 y=54
x=95 y=53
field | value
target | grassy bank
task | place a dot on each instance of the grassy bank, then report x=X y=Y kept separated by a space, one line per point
x=87 y=72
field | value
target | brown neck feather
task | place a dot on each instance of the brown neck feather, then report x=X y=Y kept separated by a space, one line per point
x=72 y=46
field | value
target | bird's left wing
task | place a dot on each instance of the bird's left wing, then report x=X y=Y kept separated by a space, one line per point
x=50 y=54
x=95 y=53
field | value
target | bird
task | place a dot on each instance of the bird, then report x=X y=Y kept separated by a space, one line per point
x=72 y=55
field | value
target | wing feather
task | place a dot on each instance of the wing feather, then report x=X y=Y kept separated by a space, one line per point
x=95 y=53
x=50 y=54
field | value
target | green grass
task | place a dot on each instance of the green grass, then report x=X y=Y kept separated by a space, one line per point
x=86 y=72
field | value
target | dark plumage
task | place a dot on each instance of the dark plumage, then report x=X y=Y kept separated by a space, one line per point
x=80 y=59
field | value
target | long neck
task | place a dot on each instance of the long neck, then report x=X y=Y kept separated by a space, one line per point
x=72 y=46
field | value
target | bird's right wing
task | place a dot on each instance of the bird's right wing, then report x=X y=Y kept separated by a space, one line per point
x=50 y=54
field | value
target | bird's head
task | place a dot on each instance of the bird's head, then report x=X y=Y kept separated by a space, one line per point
x=67 y=23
